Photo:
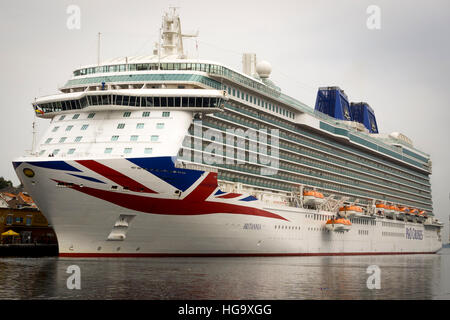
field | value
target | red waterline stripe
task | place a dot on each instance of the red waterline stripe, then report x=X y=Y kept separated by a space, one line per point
x=162 y=255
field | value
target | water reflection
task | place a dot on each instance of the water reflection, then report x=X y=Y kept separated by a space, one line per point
x=402 y=277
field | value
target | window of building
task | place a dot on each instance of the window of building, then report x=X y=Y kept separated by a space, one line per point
x=133 y=138
x=76 y=116
x=127 y=150
x=78 y=139
x=154 y=138
x=114 y=138
x=108 y=150
x=84 y=127
x=91 y=115
x=9 y=220
x=69 y=128
x=55 y=129
x=166 y=114
x=71 y=151
x=160 y=125
x=121 y=126
x=28 y=221
x=148 y=150
x=126 y=114
x=62 y=139
x=48 y=140
x=140 y=126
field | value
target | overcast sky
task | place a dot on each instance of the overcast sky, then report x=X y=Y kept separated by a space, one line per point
x=402 y=69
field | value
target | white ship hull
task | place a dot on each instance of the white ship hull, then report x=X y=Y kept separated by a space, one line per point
x=84 y=215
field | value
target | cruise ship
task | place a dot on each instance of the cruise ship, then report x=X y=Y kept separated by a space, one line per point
x=168 y=155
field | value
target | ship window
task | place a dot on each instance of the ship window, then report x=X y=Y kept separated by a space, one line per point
x=160 y=125
x=170 y=102
x=42 y=152
x=62 y=139
x=166 y=114
x=125 y=100
x=114 y=138
x=148 y=150
x=234 y=92
x=126 y=114
x=156 y=101
x=133 y=101
x=145 y=114
x=108 y=150
x=177 y=102
x=55 y=129
x=140 y=126
x=71 y=151
x=134 y=138
x=94 y=100
x=127 y=150
x=118 y=100
x=55 y=152
x=61 y=118
x=84 y=127
x=69 y=128
x=121 y=126
x=78 y=139
x=104 y=99
x=149 y=101
x=184 y=101
x=91 y=115
x=154 y=138
x=163 y=102
x=76 y=116
x=48 y=140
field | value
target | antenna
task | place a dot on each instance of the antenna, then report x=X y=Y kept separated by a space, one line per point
x=33 y=142
x=98 y=49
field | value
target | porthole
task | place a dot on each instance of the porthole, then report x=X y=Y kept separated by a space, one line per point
x=28 y=172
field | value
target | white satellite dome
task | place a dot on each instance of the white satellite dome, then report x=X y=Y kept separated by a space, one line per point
x=263 y=68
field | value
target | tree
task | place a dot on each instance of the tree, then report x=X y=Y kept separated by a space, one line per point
x=5 y=183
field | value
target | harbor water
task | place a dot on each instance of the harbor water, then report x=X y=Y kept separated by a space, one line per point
x=335 y=277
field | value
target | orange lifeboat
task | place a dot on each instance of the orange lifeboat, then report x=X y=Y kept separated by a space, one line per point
x=312 y=197
x=349 y=211
x=338 y=225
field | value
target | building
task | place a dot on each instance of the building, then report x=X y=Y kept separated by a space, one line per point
x=20 y=214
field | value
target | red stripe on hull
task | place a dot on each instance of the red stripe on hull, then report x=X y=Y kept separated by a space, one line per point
x=193 y=204
x=163 y=255
x=115 y=176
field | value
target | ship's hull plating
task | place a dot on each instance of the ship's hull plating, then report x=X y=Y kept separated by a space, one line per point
x=147 y=207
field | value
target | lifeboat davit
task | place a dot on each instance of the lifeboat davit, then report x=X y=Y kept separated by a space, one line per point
x=350 y=211
x=403 y=212
x=338 y=225
x=381 y=209
x=312 y=198
x=389 y=211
